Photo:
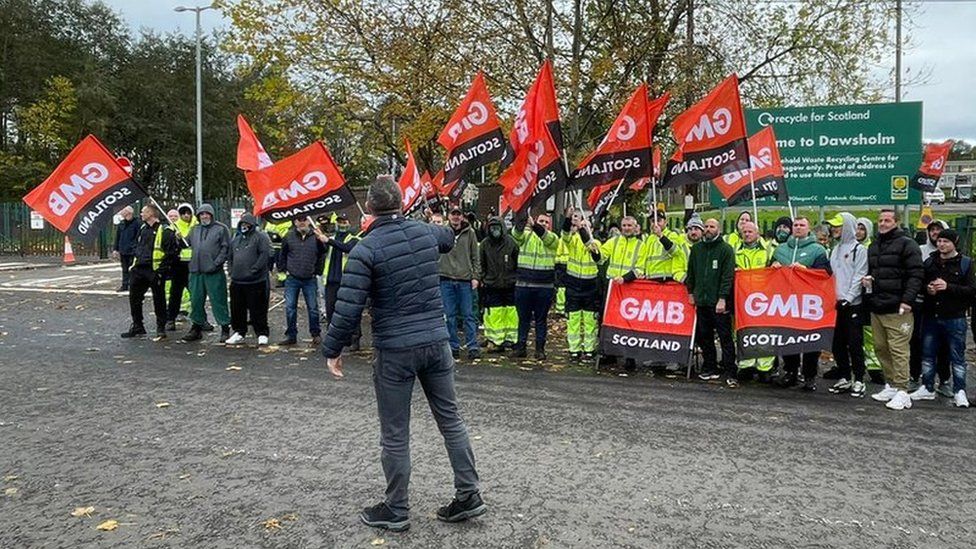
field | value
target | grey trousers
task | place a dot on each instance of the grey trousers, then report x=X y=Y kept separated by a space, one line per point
x=394 y=372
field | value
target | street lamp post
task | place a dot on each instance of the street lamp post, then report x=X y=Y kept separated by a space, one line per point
x=198 y=187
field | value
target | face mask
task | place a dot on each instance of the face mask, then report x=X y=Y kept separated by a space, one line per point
x=207 y=222
x=495 y=232
x=782 y=236
x=244 y=228
x=342 y=230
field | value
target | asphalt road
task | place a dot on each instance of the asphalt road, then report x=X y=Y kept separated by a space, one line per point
x=566 y=459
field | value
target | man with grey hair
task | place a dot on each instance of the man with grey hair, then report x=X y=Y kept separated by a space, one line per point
x=395 y=266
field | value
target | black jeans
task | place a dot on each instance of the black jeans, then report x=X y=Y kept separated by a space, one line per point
x=126 y=261
x=141 y=279
x=916 y=350
x=533 y=306
x=250 y=300
x=710 y=322
x=179 y=277
x=394 y=372
x=848 y=345
x=811 y=363
x=331 y=296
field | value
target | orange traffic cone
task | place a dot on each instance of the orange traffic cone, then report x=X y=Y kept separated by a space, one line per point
x=69 y=254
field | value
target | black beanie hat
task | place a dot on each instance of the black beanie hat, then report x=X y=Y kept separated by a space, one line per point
x=950 y=235
x=784 y=221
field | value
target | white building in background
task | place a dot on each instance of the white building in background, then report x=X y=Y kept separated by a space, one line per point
x=958 y=179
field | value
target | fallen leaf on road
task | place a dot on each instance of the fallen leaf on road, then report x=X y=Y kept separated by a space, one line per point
x=79 y=307
x=377 y=542
x=93 y=349
x=233 y=368
x=477 y=437
x=185 y=476
x=202 y=353
x=108 y=525
x=10 y=492
x=290 y=516
x=271 y=524
x=525 y=368
x=162 y=404
x=10 y=478
x=127 y=361
x=83 y=512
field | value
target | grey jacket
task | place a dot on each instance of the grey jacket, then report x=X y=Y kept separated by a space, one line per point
x=849 y=262
x=210 y=244
x=250 y=254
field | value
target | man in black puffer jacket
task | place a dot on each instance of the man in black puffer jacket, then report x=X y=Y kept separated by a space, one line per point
x=395 y=266
x=892 y=285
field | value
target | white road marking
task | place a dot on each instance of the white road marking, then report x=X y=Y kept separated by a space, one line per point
x=93 y=266
x=62 y=291
x=45 y=281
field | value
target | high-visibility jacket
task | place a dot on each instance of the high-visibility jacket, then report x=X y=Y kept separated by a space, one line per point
x=735 y=240
x=621 y=254
x=537 y=256
x=280 y=229
x=183 y=230
x=350 y=239
x=562 y=253
x=751 y=257
x=579 y=259
x=159 y=253
x=656 y=262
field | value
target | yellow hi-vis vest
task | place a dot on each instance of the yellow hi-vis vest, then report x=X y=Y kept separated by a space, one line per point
x=755 y=257
x=328 y=254
x=621 y=255
x=281 y=229
x=656 y=262
x=579 y=261
x=158 y=252
x=183 y=229
x=562 y=253
x=536 y=254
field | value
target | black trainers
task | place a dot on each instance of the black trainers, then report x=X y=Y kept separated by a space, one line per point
x=587 y=357
x=381 y=516
x=575 y=355
x=224 y=333
x=787 y=380
x=288 y=341
x=456 y=354
x=519 y=352
x=708 y=375
x=540 y=355
x=134 y=331
x=474 y=355
x=458 y=511
x=207 y=326
x=195 y=334
x=809 y=386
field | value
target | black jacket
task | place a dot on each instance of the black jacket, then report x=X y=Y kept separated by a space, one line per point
x=249 y=259
x=337 y=246
x=126 y=235
x=955 y=300
x=499 y=259
x=302 y=256
x=146 y=241
x=395 y=267
x=895 y=262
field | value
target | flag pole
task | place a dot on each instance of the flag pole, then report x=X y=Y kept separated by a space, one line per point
x=162 y=213
x=752 y=185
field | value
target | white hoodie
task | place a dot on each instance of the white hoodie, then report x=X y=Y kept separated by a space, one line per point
x=849 y=261
x=930 y=246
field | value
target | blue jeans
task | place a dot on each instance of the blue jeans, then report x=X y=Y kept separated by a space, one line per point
x=394 y=374
x=309 y=289
x=455 y=294
x=944 y=332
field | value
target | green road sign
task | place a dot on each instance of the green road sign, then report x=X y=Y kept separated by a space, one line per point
x=845 y=154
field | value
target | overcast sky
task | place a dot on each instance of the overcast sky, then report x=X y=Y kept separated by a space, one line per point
x=943 y=35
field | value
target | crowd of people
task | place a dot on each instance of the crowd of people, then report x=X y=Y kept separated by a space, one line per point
x=901 y=307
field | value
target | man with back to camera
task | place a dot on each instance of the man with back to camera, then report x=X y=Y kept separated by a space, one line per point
x=395 y=266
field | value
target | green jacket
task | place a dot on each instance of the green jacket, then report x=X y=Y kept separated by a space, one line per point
x=711 y=270
x=806 y=251
x=463 y=262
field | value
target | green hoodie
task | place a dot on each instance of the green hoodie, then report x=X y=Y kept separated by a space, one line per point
x=711 y=270
x=805 y=251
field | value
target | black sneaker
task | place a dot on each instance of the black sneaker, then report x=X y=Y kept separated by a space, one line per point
x=809 y=386
x=224 y=333
x=787 y=380
x=540 y=355
x=458 y=511
x=207 y=326
x=160 y=335
x=731 y=383
x=587 y=357
x=134 y=331
x=288 y=341
x=474 y=355
x=456 y=353
x=708 y=376
x=575 y=356
x=381 y=516
x=195 y=334
x=519 y=352
x=833 y=373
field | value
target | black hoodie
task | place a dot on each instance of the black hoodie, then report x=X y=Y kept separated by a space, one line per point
x=499 y=258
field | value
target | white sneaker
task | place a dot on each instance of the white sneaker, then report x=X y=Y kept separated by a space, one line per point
x=961 y=400
x=857 y=390
x=900 y=401
x=235 y=339
x=922 y=394
x=886 y=394
x=262 y=340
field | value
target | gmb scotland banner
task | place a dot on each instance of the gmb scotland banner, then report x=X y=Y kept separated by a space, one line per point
x=647 y=320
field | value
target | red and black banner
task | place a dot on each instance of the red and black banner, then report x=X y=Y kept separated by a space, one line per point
x=86 y=189
x=711 y=137
x=766 y=172
x=601 y=198
x=411 y=184
x=647 y=320
x=626 y=149
x=305 y=184
x=934 y=159
x=473 y=137
x=783 y=311
x=639 y=185
x=539 y=105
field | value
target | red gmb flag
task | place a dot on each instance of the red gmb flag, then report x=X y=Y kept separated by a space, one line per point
x=411 y=184
x=473 y=136
x=539 y=105
x=766 y=170
x=648 y=320
x=711 y=137
x=601 y=197
x=536 y=173
x=655 y=172
x=783 y=311
x=305 y=184
x=84 y=191
x=251 y=155
x=625 y=151
x=934 y=158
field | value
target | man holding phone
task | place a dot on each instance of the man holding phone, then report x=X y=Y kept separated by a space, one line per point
x=894 y=280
